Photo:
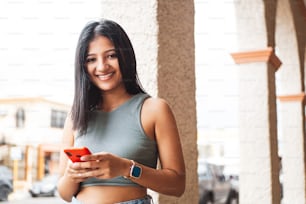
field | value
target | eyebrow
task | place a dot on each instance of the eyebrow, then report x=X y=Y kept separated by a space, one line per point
x=110 y=50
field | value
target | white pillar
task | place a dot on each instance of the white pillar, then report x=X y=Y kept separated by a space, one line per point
x=293 y=147
x=259 y=163
x=291 y=80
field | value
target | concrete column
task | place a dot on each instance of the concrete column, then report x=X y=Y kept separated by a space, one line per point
x=290 y=42
x=259 y=176
x=292 y=126
x=259 y=182
x=162 y=33
x=176 y=82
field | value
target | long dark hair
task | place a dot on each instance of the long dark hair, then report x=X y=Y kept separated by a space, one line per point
x=86 y=95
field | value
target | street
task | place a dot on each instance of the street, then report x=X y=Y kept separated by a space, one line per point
x=23 y=197
x=29 y=200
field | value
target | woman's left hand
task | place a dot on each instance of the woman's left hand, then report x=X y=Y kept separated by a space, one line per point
x=103 y=165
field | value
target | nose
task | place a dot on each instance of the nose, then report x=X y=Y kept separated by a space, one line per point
x=102 y=65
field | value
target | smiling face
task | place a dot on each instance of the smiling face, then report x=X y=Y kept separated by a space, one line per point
x=103 y=66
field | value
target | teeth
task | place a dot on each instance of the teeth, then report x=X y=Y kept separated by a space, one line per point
x=105 y=76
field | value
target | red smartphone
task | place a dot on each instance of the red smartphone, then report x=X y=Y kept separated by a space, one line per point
x=75 y=153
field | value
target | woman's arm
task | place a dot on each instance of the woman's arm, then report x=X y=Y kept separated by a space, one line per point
x=67 y=185
x=170 y=179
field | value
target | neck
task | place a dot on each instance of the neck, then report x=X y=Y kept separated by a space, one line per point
x=112 y=100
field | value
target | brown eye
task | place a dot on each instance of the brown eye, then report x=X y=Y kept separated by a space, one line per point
x=89 y=60
x=112 y=56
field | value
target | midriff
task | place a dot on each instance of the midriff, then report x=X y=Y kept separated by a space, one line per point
x=110 y=194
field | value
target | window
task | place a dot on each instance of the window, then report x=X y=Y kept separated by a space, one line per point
x=20 y=118
x=58 y=118
x=3 y=113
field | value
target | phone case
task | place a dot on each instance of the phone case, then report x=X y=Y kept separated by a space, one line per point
x=76 y=153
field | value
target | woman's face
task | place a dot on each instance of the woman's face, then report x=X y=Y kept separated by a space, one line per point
x=103 y=65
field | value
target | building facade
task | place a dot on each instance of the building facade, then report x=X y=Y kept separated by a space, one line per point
x=30 y=132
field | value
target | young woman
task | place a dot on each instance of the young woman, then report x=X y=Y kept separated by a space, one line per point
x=125 y=129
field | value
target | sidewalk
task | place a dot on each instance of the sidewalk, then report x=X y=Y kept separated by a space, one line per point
x=19 y=194
x=20 y=191
x=22 y=196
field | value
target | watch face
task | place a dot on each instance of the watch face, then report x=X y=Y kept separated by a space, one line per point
x=136 y=172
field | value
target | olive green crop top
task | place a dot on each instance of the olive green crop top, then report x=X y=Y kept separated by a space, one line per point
x=119 y=132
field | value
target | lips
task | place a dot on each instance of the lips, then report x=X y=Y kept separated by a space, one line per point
x=104 y=77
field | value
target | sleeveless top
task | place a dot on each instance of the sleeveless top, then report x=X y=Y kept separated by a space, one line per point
x=119 y=132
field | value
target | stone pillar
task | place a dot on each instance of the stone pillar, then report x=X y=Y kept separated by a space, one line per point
x=259 y=165
x=162 y=33
x=176 y=82
x=259 y=176
x=290 y=42
x=292 y=123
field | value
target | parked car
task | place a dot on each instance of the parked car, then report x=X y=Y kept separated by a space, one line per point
x=6 y=182
x=45 y=187
x=214 y=186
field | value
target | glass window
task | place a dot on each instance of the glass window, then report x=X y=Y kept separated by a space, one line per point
x=20 y=118
x=58 y=118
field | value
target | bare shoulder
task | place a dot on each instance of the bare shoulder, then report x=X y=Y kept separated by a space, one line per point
x=156 y=105
x=157 y=109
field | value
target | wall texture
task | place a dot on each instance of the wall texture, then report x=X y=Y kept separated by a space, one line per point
x=176 y=81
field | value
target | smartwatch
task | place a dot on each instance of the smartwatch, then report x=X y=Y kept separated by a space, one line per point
x=135 y=170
